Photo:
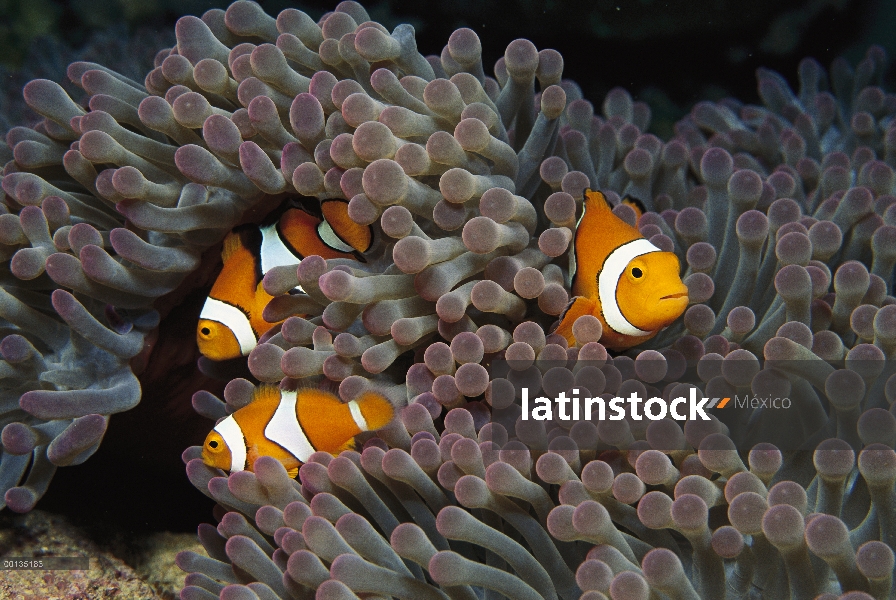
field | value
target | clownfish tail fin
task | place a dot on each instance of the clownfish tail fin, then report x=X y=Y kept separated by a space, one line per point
x=358 y=237
x=377 y=410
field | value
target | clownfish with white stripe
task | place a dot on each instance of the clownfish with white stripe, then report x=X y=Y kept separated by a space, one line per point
x=290 y=426
x=631 y=286
x=231 y=321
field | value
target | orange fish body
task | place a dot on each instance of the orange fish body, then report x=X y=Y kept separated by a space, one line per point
x=631 y=286
x=290 y=426
x=336 y=236
x=231 y=320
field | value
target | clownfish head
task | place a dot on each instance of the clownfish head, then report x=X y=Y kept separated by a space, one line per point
x=215 y=452
x=649 y=291
x=217 y=341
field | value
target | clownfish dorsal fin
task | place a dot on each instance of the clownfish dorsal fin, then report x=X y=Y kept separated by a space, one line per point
x=244 y=237
x=636 y=205
x=597 y=208
x=232 y=244
x=266 y=393
x=596 y=201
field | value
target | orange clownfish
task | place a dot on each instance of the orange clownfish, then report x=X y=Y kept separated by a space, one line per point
x=291 y=426
x=631 y=286
x=231 y=319
x=635 y=204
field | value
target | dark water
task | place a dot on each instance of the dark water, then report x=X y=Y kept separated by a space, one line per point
x=669 y=53
x=136 y=482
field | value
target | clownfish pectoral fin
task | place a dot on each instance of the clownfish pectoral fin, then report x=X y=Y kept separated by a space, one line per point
x=349 y=445
x=578 y=306
x=251 y=455
x=293 y=472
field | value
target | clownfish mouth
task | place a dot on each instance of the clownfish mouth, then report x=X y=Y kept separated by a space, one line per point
x=675 y=296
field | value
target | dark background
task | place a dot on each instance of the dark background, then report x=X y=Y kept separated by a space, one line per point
x=670 y=54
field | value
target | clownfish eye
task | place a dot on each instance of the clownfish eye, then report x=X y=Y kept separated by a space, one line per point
x=213 y=444
x=637 y=273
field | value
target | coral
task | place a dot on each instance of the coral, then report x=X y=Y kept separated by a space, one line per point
x=39 y=534
x=783 y=214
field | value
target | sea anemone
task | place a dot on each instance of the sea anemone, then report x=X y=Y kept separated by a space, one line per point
x=474 y=184
x=99 y=222
x=742 y=193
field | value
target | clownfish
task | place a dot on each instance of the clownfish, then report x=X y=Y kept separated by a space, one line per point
x=631 y=286
x=231 y=322
x=636 y=205
x=290 y=426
